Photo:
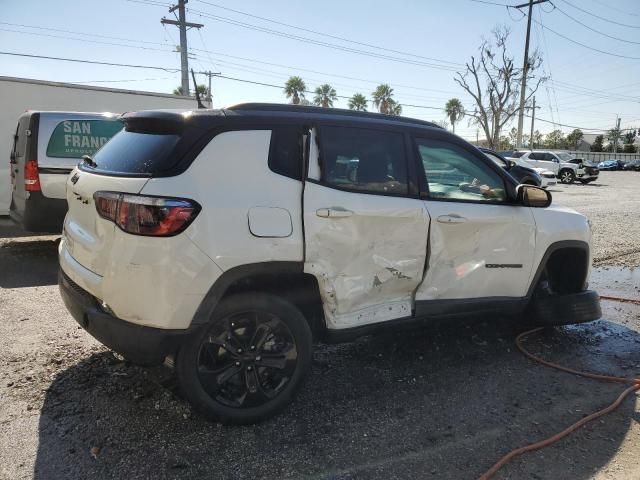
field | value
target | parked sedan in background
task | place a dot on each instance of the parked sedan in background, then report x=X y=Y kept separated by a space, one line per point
x=611 y=165
x=632 y=165
x=521 y=173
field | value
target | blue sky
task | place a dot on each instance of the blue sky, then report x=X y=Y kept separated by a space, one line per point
x=588 y=88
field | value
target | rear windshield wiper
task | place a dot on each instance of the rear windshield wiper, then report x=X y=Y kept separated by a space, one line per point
x=87 y=160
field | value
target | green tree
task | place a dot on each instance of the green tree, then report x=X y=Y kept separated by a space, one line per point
x=358 y=102
x=597 y=144
x=612 y=136
x=555 y=139
x=294 y=89
x=202 y=90
x=325 y=96
x=383 y=99
x=536 y=139
x=394 y=108
x=574 y=138
x=455 y=112
x=628 y=142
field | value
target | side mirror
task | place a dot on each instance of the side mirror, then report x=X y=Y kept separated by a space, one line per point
x=532 y=196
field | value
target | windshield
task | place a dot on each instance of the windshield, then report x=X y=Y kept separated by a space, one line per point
x=565 y=157
x=517 y=154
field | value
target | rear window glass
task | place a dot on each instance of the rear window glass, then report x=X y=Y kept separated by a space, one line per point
x=132 y=152
x=75 y=138
x=285 y=156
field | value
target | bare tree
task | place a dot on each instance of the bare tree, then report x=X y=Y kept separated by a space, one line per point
x=493 y=82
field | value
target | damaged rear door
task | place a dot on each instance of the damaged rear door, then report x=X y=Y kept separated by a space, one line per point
x=365 y=227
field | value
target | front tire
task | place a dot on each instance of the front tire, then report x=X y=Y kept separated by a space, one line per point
x=564 y=309
x=567 y=176
x=246 y=363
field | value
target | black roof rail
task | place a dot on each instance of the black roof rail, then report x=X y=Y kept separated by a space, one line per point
x=307 y=109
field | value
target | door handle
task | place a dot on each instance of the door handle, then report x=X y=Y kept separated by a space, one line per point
x=333 y=212
x=451 y=218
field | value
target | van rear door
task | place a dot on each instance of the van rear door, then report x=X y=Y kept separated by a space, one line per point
x=63 y=138
x=24 y=147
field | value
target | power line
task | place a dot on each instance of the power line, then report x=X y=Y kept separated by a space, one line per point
x=617 y=9
x=205 y=50
x=598 y=16
x=99 y=42
x=593 y=29
x=596 y=93
x=586 y=46
x=311 y=41
x=95 y=62
x=174 y=70
x=335 y=37
x=492 y=3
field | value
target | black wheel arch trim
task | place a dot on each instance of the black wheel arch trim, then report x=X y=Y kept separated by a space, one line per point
x=231 y=276
x=559 y=245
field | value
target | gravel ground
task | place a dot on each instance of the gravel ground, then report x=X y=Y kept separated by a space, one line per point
x=440 y=402
x=612 y=203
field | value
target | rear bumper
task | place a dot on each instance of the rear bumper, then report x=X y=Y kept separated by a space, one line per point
x=40 y=214
x=138 y=343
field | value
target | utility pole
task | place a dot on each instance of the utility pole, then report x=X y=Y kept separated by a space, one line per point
x=533 y=119
x=525 y=69
x=617 y=134
x=182 y=24
x=209 y=74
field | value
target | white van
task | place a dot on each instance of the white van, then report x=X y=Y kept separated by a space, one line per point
x=46 y=147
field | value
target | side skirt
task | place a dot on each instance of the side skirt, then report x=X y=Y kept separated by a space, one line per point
x=428 y=311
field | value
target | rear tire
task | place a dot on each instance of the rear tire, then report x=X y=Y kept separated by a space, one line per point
x=567 y=176
x=565 y=309
x=247 y=362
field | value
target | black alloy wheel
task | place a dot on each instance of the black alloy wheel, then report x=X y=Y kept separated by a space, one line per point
x=247 y=359
x=245 y=364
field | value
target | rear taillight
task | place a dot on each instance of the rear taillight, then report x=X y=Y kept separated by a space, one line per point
x=144 y=215
x=31 y=177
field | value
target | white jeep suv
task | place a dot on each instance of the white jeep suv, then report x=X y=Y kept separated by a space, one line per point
x=566 y=167
x=230 y=239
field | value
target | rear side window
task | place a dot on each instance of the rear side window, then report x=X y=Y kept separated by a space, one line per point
x=285 y=153
x=368 y=161
x=136 y=153
x=75 y=138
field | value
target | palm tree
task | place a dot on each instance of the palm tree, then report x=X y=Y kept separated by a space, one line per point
x=455 y=111
x=325 y=96
x=294 y=89
x=202 y=90
x=383 y=98
x=358 y=102
x=394 y=108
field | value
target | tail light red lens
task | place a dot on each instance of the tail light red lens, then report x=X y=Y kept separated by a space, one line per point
x=145 y=215
x=31 y=176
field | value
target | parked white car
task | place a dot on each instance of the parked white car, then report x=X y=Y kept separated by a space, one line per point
x=230 y=238
x=566 y=167
x=547 y=176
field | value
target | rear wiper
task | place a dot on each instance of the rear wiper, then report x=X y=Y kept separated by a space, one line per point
x=87 y=160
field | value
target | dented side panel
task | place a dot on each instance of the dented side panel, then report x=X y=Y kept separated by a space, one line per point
x=487 y=252
x=369 y=260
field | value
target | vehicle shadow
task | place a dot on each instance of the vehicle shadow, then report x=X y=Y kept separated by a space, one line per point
x=29 y=262
x=439 y=402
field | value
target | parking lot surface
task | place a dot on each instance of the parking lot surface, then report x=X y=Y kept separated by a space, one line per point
x=445 y=401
